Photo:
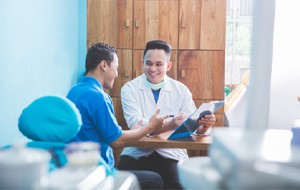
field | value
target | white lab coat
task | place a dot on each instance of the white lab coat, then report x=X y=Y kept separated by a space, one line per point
x=138 y=102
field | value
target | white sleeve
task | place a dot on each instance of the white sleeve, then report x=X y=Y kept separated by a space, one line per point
x=131 y=105
x=188 y=105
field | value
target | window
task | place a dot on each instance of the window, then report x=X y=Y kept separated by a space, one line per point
x=238 y=40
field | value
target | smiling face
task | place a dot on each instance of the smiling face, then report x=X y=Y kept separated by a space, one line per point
x=111 y=74
x=156 y=65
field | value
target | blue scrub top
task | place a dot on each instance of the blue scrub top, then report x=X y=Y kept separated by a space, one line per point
x=97 y=112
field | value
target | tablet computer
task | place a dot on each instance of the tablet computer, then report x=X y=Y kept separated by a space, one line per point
x=189 y=126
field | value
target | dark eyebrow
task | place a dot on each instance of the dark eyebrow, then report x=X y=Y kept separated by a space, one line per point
x=159 y=62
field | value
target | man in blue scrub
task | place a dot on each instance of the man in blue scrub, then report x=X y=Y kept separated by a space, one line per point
x=97 y=112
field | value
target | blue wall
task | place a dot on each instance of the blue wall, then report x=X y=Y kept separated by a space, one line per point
x=42 y=51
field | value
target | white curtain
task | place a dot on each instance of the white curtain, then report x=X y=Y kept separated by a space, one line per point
x=285 y=80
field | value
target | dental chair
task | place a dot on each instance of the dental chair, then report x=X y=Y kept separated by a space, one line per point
x=50 y=122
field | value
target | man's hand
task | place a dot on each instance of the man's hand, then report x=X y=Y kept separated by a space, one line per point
x=207 y=122
x=171 y=123
x=138 y=125
x=155 y=121
x=177 y=120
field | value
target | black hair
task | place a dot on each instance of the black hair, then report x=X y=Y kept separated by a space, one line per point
x=158 y=44
x=98 y=53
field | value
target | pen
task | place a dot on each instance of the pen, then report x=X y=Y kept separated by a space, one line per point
x=171 y=115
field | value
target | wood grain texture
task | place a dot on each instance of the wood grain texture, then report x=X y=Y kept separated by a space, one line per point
x=189 y=24
x=160 y=141
x=202 y=24
x=204 y=73
x=213 y=25
x=108 y=22
x=137 y=62
x=158 y=19
x=173 y=71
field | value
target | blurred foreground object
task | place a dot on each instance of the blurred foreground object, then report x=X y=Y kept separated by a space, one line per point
x=247 y=161
x=23 y=168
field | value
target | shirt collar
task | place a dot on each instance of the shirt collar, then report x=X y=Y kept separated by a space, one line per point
x=167 y=87
x=93 y=81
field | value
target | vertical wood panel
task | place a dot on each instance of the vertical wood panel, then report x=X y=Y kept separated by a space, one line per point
x=202 y=24
x=213 y=23
x=202 y=73
x=189 y=24
x=124 y=23
x=137 y=63
x=173 y=71
x=218 y=73
x=155 y=19
x=107 y=22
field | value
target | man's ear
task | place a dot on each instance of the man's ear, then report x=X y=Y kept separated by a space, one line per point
x=142 y=62
x=169 y=66
x=103 y=65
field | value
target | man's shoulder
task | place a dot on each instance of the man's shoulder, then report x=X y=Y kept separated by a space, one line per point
x=86 y=92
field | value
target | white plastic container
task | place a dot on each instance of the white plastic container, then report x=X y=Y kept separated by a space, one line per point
x=83 y=154
x=23 y=168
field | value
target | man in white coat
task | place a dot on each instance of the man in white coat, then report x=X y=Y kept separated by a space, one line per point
x=141 y=97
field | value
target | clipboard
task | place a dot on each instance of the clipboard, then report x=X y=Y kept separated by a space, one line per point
x=190 y=125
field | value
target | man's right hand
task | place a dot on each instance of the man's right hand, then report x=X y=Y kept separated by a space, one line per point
x=177 y=120
x=171 y=124
x=156 y=122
